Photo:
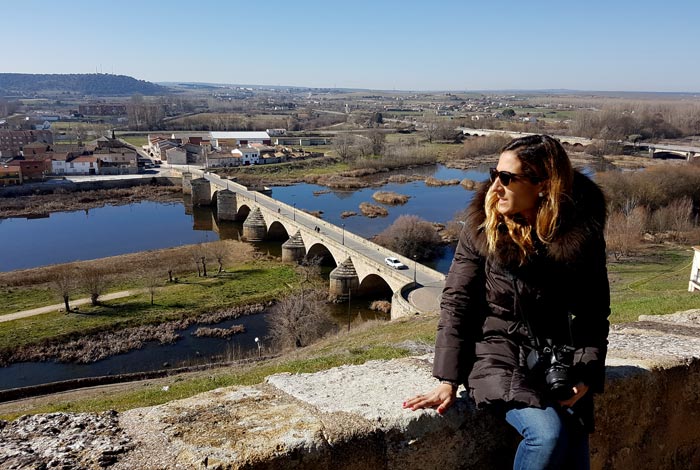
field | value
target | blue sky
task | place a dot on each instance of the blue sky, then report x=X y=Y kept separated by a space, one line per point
x=615 y=45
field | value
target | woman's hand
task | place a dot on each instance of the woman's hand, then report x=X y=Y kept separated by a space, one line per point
x=580 y=390
x=441 y=397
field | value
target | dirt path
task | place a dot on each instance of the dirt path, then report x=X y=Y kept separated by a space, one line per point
x=73 y=303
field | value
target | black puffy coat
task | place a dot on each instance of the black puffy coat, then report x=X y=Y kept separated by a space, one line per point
x=482 y=340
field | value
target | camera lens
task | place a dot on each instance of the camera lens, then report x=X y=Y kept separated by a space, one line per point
x=558 y=383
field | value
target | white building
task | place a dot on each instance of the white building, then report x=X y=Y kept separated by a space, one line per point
x=85 y=165
x=237 y=139
x=59 y=163
x=694 y=283
x=247 y=155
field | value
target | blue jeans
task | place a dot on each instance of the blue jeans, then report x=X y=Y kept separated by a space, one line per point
x=550 y=441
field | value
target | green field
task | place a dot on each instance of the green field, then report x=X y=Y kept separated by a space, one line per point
x=654 y=284
x=191 y=296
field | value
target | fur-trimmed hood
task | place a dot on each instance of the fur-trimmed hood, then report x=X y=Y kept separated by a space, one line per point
x=582 y=219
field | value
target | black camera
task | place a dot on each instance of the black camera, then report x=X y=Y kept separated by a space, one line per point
x=553 y=363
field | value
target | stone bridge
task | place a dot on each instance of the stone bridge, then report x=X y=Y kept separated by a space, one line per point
x=564 y=139
x=655 y=150
x=360 y=267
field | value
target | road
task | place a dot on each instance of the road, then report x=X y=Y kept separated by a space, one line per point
x=61 y=306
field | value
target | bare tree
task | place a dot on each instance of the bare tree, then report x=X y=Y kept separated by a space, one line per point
x=431 y=129
x=377 y=139
x=218 y=251
x=151 y=280
x=675 y=218
x=94 y=281
x=63 y=282
x=623 y=231
x=196 y=256
x=298 y=320
x=343 y=144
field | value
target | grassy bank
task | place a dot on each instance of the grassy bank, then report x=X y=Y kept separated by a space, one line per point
x=652 y=283
x=190 y=296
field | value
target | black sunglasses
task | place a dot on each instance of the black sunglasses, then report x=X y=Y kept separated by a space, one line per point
x=506 y=176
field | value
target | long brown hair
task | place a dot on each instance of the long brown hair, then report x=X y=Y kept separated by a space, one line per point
x=542 y=158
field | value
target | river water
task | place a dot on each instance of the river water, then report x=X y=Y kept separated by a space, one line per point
x=113 y=230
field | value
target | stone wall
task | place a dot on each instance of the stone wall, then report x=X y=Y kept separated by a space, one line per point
x=351 y=417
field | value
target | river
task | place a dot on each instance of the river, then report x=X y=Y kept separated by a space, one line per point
x=113 y=230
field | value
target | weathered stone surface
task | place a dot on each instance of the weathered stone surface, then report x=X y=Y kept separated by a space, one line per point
x=351 y=417
x=62 y=440
x=229 y=428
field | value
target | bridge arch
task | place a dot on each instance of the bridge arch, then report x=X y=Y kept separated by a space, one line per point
x=320 y=251
x=277 y=231
x=243 y=211
x=375 y=285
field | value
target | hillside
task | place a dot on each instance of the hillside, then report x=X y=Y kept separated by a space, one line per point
x=98 y=84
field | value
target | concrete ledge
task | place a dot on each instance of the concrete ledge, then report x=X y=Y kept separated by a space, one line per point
x=351 y=417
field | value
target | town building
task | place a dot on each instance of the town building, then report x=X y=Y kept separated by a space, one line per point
x=12 y=142
x=83 y=165
x=34 y=170
x=222 y=160
x=117 y=161
x=59 y=162
x=230 y=140
x=247 y=155
x=176 y=156
x=301 y=141
x=10 y=175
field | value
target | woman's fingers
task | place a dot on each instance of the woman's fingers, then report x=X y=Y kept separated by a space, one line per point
x=580 y=390
x=441 y=397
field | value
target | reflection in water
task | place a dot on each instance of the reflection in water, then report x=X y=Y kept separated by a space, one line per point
x=113 y=230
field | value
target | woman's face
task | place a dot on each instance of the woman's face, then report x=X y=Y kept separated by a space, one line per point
x=521 y=196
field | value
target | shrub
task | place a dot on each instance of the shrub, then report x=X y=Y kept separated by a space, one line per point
x=481 y=146
x=653 y=187
x=623 y=232
x=411 y=236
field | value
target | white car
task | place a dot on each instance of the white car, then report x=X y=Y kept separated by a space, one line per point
x=394 y=263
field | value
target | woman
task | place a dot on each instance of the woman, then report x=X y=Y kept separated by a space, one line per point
x=529 y=275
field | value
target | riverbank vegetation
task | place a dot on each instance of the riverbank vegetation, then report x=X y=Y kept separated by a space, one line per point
x=62 y=200
x=653 y=283
x=43 y=336
x=391 y=198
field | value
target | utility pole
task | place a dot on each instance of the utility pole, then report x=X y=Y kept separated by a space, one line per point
x=349 y=296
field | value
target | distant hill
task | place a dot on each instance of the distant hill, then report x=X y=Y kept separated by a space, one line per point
x=100 y=84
